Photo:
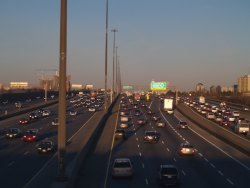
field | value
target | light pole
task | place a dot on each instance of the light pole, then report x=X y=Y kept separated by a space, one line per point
x=117 y=78
x=62 y=96
x=106 y=57
x=116 y=85
x=114 y=30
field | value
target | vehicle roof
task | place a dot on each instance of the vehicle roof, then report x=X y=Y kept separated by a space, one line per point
x=168 y=166
x=122 y=160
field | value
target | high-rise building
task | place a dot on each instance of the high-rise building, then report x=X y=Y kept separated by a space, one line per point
x=244 y=84
x=214 y=89
x=200 y=88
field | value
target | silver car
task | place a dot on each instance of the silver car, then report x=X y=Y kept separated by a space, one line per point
x=242 y=127
x=73 y=113
x=122 y=167
x=46 y=113
x=124 y=118
x=55 y=121
x=230 y=118
x=124 y=125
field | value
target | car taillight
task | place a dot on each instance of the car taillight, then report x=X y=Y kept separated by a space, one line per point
x=115 y=133
x=143 y=121
x=145 y=136
x=155 y=136
x=113 y=170
x=193 y=150
x=180 y=124
x=131 y=169
x=186 y=125
x=181 y=149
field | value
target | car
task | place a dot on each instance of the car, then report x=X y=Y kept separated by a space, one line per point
x=13 y=133
x=101 y=102
x=46 y=113
x=5 y=101
x=155 y=117
x=122 y=167
x=123 y=124
x=17 y=102
x=225 y=122
x=209 y=108
x=239 y=119
x=135 y=106
x=167 y=175
x=34 y=115
x=210 y=115
x=52 y=96
x=245 y=108
x=38 y=97
x=213 y=110
x=228 y=112
x=122 y=113
x=82 y=102
x=242 y=127
x=120 y=134
x=143 y=104
x=170 y=111
x=55 y=121
x=150 y=136
x=41 y=110
x=92 y=108
x=141 y=121
x=125 y=108
x=46 y=147
x=236 y=114
x=72 y=101
x=31 y=135
x=199 y=109
x=28 y=100
x=150 y=112
x=73 y=112
x=24 y=120
x=182 y=125
x=224 y=116
x=218 y=113
x=203 y=111
x=19 y=105
x=123 y=104
x=230 y=118
x=218 y=118
x=77 y=104
x=137 y=113
x=84 y=105
x=160 y=123
x=124 y=118
x=88 y=103
x=186 y=149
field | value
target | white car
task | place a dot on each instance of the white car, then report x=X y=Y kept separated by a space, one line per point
x=73 y=113
x=170 y=111
x=236 y=114
x=46 y=113
x=214 y=110
x=245 y=108
x=91 y=109
x=230 y=118
x=210 y=115
x=55 y=121
x=124 y=118
x=72 y=101
x=52 y=96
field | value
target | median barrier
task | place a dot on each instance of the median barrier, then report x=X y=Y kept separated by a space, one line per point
x=240 y=143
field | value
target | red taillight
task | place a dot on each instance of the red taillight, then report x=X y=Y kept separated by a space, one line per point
x=186 y=125
x=155 y=136
x=180 y=124
x=249 y=129
x=193 y=150
x=113 y=170
x=145 y=136
x=181 y=149
x=115 y=133
x=131 y=169
x=143 y=121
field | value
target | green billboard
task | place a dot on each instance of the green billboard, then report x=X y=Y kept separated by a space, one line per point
x=127 y=87
x=158 y=86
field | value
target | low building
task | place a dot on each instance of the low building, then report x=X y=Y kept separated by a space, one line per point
x=76 y=86
x=244 y=84
x=227 y=89
x=214 y=89
x=19 y=85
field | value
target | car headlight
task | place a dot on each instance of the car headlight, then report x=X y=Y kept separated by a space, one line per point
x=34 y=136
x=15 y=134
x=48 y=148
x=39 y=148
x=7 y=134
x=24 y=136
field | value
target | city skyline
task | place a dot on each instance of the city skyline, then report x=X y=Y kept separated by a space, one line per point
x=181 y=42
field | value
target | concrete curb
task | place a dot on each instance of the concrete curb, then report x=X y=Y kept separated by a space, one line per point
x=222 y=135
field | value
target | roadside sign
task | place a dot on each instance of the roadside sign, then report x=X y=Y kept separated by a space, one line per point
x=127 y=87
x=158 y=86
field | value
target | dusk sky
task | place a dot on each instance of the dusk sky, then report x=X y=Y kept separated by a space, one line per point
x=181 y=41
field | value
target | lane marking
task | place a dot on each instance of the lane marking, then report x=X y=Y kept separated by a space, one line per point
x=10 y=163
x=162 y=142
x=167 y=149
x=212 y=165
x=221 y=173
x=135 y=133
x=138 y=146
x=140 y=154
x=230 y=181
x=37 y=145
x=174 y=159
x=200 y=154
x=146 y=181
x=136 y=138
x=183 y=173
x=206 y=160
x=26 y=152
x=183 y=138
x=142 y=165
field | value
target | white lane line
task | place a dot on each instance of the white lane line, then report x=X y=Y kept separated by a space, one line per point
x=10 y=145
x=220 y=173
x=140 y=154
x=133 y=125
x=10 y=163
x=142 y=165
x=186 y=141
x=136 y=138
x=37 y=145
x=162 y=142
x=46 y=138
x=230 y=181
x=195 y=149
x=183 y=138
x=212 y=165
x=200 y=154
x=206 y=160
x=183 y=173
x=26 y=152
x=138 y=146
x=180 y=136
x=146 y=181
x=167 y=149
x=134 y=130
x=174 y=159
x=152 y=127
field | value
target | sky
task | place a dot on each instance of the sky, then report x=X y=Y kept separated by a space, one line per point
x=183 y=42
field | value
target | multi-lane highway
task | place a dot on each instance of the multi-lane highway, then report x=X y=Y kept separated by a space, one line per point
x=20 y=162
x=214 y=164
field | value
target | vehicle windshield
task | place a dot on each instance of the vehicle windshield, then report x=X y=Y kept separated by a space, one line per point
x=30 y=132
x=122 y=164
x=13 y=130
x=169 y=171
x=150 y=133
x=45 y=144
x=187 y=146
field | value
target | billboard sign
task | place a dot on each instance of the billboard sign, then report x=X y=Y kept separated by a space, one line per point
x=127 y=87
x=158 y=86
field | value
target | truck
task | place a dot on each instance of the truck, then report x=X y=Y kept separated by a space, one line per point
x=147 y=98
x=168 y=106
x=137 y=97
x=202 y=101
x=92 y=97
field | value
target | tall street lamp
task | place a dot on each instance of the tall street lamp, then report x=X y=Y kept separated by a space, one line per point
x=114 y=30
x=106 y=57
x=116 y=72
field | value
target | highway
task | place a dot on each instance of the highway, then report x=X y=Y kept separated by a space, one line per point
x=215 y=164
x=21 y=161
x=10 y=106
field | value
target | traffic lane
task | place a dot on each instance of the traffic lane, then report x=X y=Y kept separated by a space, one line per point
x=36 y=161
x=212 y=155
x=217 y=154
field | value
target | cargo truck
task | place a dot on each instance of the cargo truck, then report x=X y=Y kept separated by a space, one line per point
x=168 y=106
x=201 y=101
x=137 y=97
x=92 y=96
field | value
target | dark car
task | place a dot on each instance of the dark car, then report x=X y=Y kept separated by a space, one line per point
x=137 y=112
x=239 y=119
x=24 y=120
x=143 y=104
x=141 y=121
x=41 y=110
x=218 y=113
x=167 y=175
x=120 y=134
x=224 y=116
x=150 y=136
x=31 y=135
x=5 y=101
x=46 y=147
x=182 y=125
x=33 y=115
x=13 y=133
x=228 y=112
x=225 y=122
x=160 y=123
x=28 y=100
x=135 y=106
x=77 y=104
x=84 y=105
x=150 y=112
x=155 y=117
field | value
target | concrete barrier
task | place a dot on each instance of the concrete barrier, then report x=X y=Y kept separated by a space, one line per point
x=225 y=135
